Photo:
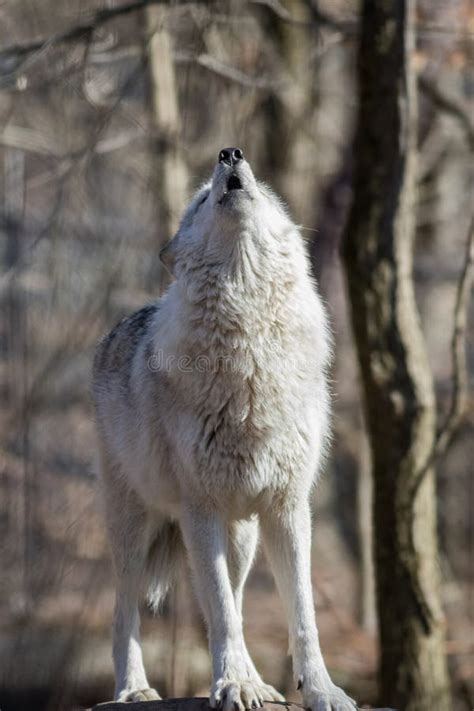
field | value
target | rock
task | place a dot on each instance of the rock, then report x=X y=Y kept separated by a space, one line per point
x=192 y=704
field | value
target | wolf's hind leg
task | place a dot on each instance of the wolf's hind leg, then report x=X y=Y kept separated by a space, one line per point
x=241 y=547
x=129 y=529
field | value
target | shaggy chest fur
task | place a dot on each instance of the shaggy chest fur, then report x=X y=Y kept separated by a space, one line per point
x=250 y=377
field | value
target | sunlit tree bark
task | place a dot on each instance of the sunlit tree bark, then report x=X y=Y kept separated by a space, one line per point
x=397 y=382
x=171 y=172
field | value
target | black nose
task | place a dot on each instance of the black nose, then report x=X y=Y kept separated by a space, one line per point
x=231 y=156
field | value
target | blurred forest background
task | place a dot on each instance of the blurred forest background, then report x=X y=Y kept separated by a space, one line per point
x=111 y=113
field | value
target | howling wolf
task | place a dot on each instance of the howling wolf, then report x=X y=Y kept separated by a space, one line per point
x=213 y=417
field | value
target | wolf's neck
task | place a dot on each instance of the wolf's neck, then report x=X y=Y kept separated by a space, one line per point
x=243 y=296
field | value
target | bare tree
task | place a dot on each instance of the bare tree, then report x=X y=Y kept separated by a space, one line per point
x=397 y=381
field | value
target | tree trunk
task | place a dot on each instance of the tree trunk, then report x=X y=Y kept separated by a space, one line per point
x=399 y=399
x=171 y=170
x=15 y=314
x=367 y=618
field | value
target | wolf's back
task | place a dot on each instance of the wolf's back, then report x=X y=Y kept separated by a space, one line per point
x=114 y=354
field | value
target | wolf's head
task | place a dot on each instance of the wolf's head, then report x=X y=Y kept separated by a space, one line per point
x=233 y=206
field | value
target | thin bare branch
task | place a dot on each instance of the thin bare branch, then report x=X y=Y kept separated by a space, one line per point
x=227 y=71
x=450 y=105
x=280 y=11
x=29 y=140
x=32 y=141
x=28 y=52
x=458 y=350
x=460 y=377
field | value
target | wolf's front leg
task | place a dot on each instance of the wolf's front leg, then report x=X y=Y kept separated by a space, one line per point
x=287 y=540
x=241 y=546
x=205 y=535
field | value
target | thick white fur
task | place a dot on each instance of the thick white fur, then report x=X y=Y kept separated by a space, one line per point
x=214 y=426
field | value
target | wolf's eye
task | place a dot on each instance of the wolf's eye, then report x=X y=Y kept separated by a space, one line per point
x=202 y=200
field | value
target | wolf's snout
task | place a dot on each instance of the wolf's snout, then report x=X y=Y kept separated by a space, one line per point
x=231 y=156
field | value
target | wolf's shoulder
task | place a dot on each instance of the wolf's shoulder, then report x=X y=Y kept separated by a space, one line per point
x=115 y=350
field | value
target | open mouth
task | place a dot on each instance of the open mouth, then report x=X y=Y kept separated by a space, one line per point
x=234 y=183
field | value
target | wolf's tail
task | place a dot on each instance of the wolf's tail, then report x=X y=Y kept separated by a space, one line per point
x=165 y=560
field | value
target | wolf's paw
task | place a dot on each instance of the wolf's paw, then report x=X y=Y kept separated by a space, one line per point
x=269 y=693
x=230 y=695
x=327 y=698
x=139 y=695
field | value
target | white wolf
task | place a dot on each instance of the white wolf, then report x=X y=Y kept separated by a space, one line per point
x=212 y=408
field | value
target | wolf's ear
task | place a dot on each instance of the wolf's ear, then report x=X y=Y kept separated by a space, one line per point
x=168 y=254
